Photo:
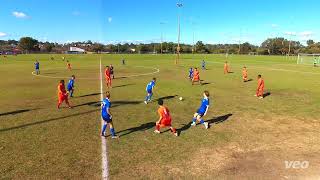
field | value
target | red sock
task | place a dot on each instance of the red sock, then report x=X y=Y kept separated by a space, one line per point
x=158 y=127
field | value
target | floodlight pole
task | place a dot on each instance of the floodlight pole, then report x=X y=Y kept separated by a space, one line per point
x=179 y=5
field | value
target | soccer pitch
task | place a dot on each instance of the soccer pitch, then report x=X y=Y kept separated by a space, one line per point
x=248 y=137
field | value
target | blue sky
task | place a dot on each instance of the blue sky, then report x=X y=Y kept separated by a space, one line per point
x=212 y=21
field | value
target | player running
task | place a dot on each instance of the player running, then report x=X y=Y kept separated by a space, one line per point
x=202 y=111
x=69 y=66
x=245 y=74
x=149 y=90
x=260 y=88
x=62 y=94
x=111 y=71
x=196 y=76
x=70 y=86
x=37 y=67
x=191 y=74
x=123 y=62
x=164 y=119
x=226 y=68
x=108 y=76
x=203 y=65
x=107 y=117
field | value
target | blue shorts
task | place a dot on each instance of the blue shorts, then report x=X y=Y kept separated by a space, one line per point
x=201 y=113
x=149 y=91
x=107 y=119
x=69 y=89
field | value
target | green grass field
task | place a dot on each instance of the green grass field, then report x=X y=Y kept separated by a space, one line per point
x=248 y=138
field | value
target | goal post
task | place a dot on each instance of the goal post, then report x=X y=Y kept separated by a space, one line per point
x=308 y=59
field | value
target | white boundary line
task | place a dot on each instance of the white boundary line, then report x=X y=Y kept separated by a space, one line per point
x=104 y=152
x=135 y=75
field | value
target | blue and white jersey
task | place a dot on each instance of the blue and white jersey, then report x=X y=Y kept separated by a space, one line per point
x=203 y=63
x=150 y=86
x=37 y=65
x=71 y=84
x=106 y=104
x=204 y=105
x=190 y=72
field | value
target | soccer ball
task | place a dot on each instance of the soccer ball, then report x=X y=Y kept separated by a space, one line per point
x=180 y=98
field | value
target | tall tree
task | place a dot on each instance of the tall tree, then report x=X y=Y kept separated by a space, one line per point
x=28 y=44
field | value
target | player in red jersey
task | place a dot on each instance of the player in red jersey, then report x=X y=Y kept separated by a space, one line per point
x=69 y=66
x=164 y=119
x=196 y=76
x=107 y=74
x=62 y=94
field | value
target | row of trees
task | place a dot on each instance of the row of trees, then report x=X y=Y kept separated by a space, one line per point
x=271 y=46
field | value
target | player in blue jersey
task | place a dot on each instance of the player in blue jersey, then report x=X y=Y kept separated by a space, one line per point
x=202 y=111
x=107 y=116
x=203 y=65
x=149 y=90
x=191 y=73
x=71 y=86
x=37 y=67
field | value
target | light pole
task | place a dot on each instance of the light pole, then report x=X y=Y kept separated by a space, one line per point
x=161 y=38
x=179 y=5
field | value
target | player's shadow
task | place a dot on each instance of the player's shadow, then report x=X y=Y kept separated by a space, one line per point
x=46 y=121
x=266 y=94
x=184 y=127
x=219 y=119
x=87 y=95
x=142 y=127
x=249 y=80
x=205 y=83
x=15 y=112
x=124 y=85
x=121 y=103
x=92 y=103
x=166 y=97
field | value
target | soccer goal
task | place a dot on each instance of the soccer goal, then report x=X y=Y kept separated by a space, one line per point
x=308 y=59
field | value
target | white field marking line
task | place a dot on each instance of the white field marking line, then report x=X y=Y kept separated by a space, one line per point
x=135 y=75
x=272 y=69
x=104 y=152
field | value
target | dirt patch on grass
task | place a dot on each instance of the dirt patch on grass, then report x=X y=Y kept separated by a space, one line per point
x=260 y=152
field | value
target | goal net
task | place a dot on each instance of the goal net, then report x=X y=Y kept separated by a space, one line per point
x=308 y=59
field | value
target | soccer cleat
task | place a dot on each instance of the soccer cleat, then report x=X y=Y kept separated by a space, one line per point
x=156 y=131
x=103 y=135
x=206 y=125
x=255 y=95
x=260 y=97
x=193 y=123
x=145 y=102
x=115 y=137
x=176 y=134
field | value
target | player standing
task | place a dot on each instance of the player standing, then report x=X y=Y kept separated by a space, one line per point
x=191 y=74
x=202 y=111
x=149 y=90
x=71 y=85
x=123 y=62
x=164 y=119
x=245 y=74
x=203 y=65
x=260 y=88
x=107 y=116
x=62 y=94
x=111 y=71
x=69 y=66
x=226 y=68
x=196 y=76
x=37 y=67
x=108 y=77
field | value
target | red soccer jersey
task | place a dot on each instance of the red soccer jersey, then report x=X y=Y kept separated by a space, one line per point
x=260 y=84
x=165 y=116
x=61 y=89
x=107 y=73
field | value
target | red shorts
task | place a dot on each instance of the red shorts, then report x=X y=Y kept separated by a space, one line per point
x=165 y=122
x=62 y=98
